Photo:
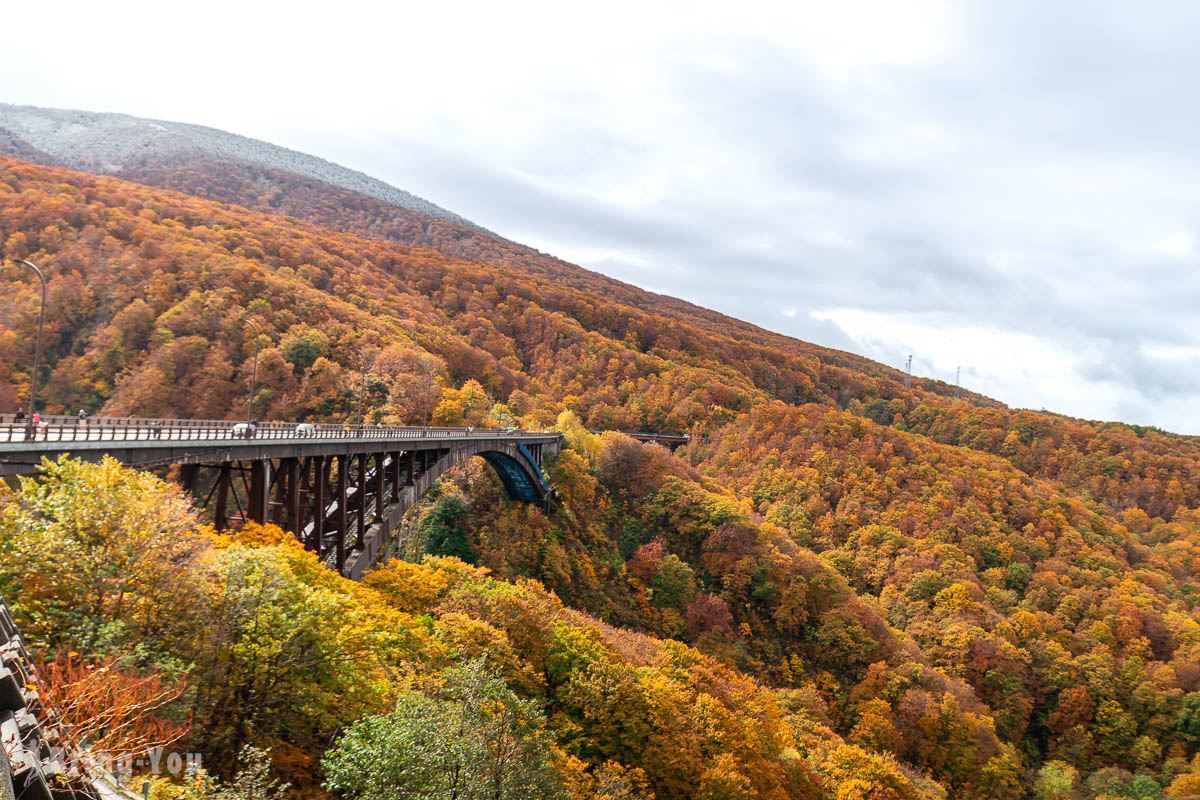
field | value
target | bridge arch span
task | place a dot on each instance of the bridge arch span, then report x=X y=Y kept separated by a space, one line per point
x=516 y=465
x=513 y=463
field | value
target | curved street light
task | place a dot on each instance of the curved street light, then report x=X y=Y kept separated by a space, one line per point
x=362 y=389
x=254 y=373
x=37 y=348
x=428 y=365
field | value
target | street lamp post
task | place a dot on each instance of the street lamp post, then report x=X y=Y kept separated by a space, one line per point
x=428 y=390
x=362 y=389
x=254 y=372
x=37 y=347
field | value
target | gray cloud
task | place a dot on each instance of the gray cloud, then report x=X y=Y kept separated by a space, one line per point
x=1018 y=194
x=1155 y=378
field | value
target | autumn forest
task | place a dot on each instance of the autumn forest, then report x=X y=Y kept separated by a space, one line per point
x=842 y=587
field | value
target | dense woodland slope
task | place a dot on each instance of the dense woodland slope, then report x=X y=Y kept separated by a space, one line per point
x=232 y=169
x=889 y=593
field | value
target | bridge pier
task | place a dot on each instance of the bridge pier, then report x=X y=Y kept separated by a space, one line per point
x=320 y=477
x=380 y=483
x=223 y=480
x=340 y=543
x=188 y=473
x=292 y=519
x=360 y=499
x=259 y=494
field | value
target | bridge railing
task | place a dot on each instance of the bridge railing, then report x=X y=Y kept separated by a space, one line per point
x=648 y=436
x=118 y=429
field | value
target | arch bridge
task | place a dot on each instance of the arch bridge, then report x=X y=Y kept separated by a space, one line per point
x=341 y=489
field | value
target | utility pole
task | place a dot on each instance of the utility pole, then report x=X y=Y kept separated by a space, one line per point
x=37 y=347
x=362 y=389
x=908 y=372
x=254 y=373
x=428 y=390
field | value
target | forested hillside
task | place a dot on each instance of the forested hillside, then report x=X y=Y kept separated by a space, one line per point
x=880 y=591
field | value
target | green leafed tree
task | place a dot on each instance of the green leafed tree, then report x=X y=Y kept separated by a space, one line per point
x=443 y=529
x=1056 y=781
x=476 y=740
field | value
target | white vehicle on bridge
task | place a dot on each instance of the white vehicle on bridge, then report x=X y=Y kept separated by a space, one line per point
x=306 y=429
x=243 y=430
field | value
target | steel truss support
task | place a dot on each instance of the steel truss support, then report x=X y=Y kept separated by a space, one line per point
x=343 y=506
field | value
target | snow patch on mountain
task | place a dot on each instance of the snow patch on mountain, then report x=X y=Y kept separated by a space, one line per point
x=99 y=142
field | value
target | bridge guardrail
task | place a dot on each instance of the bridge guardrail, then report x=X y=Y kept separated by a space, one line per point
x=138 y=429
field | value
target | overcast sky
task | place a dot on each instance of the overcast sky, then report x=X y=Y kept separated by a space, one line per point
x=1010 y=187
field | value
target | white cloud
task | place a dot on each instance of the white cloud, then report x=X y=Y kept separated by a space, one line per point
x=1006 y=186
x=1179 y=244
x=1018 y=368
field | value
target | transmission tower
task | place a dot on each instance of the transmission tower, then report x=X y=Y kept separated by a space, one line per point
x=908 y=372
x=957 y=385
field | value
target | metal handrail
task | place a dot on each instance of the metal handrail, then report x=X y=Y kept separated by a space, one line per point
x=648 y=435
x=58 y=428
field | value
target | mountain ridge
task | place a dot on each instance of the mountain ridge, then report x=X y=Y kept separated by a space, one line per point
x=108 y=142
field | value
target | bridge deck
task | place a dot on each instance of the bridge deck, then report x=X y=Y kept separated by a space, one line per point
x=148 y=442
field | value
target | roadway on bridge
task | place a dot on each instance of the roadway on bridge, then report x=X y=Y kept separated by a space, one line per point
x=146 y=442
x=124 y=429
